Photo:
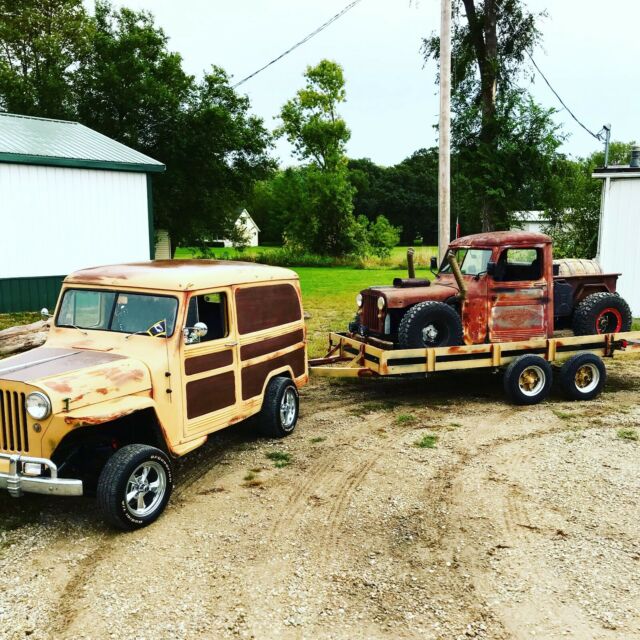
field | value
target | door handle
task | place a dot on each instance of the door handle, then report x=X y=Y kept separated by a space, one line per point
x=230 y=344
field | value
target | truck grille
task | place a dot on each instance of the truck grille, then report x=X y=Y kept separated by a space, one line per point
x=14 y=434
x=370 y=313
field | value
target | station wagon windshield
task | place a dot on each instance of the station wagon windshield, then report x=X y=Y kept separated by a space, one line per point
x=471 y=261
x=118 y=311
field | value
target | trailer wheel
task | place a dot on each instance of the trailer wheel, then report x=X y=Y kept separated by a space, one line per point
x=430 y=324
x=601 y=313
x=582 y=376
x=527 y=380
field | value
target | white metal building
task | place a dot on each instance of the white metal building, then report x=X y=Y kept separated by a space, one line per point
x=71 y=198
x=619 y=226
x=530 y=221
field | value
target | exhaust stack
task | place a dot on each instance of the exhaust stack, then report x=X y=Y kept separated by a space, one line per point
x=410 y=266
x=457 y=274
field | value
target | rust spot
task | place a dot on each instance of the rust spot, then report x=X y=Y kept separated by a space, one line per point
x=103 y=391
x=60 y=387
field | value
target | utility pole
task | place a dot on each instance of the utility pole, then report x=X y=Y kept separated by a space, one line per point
x=444 y=164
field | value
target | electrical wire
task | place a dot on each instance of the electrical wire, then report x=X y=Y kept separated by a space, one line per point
x=597 y=136
x=306 y=39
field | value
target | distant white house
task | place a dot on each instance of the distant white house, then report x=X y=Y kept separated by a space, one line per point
x=246 y=225
x=529 y=221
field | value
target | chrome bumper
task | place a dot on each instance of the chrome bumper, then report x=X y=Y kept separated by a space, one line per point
x=17 y=483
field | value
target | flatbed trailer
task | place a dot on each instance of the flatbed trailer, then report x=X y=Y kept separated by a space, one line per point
x=528 y=364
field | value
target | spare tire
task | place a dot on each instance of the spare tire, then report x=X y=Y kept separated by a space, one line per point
x=430 y=324
x=601 y=313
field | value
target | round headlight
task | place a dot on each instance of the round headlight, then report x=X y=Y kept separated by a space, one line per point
x=381 y=303
x=38 y=406
x=359 y=300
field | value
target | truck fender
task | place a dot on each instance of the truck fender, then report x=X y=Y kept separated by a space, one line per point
x=108 y=411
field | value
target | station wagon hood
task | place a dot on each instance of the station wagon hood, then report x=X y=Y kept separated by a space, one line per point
x=401 y=297
x=74 y=378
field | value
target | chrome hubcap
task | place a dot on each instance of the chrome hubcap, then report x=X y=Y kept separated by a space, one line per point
x=532 y=381
x=429 y=334
x=288 y=409
x=145 y=489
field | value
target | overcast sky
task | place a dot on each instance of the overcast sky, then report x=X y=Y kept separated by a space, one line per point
x=589 y=54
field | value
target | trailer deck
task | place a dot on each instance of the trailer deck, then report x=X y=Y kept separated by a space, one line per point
x=351 y=356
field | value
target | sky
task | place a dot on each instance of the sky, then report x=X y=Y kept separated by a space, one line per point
x=587 y=54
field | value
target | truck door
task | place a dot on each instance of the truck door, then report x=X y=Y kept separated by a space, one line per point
x=209 y=364
x=518 y=295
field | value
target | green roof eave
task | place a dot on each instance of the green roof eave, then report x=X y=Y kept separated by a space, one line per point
x=80 y=163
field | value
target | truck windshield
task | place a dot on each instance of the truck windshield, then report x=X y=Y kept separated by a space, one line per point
x=471 y=261
x=118 y=311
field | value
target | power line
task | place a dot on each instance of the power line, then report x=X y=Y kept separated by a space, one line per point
x=555 y=93
x=322 y=27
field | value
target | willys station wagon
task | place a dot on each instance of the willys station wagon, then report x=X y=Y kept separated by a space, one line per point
x=143 y=361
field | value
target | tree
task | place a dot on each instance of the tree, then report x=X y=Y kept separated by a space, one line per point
x=41 y=43
x=311 y=123
x=489 y=52
x=575 y=218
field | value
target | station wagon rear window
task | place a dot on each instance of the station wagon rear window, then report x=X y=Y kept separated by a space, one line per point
x=118 y=311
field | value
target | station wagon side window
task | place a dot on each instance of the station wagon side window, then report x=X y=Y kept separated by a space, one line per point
x=212 y=309
x=516 y=265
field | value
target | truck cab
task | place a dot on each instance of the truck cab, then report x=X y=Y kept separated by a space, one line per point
x=493 y=287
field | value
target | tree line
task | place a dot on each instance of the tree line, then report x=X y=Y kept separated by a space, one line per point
x=113 y=71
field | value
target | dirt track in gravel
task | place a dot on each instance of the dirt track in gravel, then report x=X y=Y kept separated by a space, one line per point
x=520 y=523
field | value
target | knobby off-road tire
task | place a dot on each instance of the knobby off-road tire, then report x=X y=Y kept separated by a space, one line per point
x=527 y=380
x=582 y=377
x=430 y=324
x=135 y=486
x=602 y=313
x=279 y=414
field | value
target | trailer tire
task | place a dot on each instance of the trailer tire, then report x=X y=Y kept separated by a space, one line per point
x=280 y=407
x=583 y=376
x=527 y=380
x=430 y=324
x=601 y=313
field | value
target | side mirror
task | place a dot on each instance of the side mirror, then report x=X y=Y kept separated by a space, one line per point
x=44 y=313
x=434 y=263
x=193 y=334
x=491 y=268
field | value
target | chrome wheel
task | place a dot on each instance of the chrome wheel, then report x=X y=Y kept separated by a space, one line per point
x=587 y=378
x=145 y=489
x=429 y=334
x=532 y=381
x=288 y=409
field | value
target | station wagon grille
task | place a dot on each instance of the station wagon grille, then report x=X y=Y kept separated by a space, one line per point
x=14 y=434
x=370 y=312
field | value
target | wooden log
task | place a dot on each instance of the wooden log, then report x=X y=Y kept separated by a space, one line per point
x=22 y=338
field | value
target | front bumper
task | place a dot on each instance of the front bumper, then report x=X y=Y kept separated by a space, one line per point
x=17 y=482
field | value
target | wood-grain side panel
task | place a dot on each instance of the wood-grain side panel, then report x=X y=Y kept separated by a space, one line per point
x=210 y=394
x=208 y=361
x=266 y=307
x=254 y=376
x=270 y=345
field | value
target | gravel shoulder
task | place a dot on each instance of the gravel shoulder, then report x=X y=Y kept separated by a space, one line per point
x=517 y=523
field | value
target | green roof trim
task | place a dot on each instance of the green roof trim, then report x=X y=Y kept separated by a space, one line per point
x=61 y=143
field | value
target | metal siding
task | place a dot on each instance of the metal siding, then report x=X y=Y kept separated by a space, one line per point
x=60 y=141
x=618 y=251
x=57 y=220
